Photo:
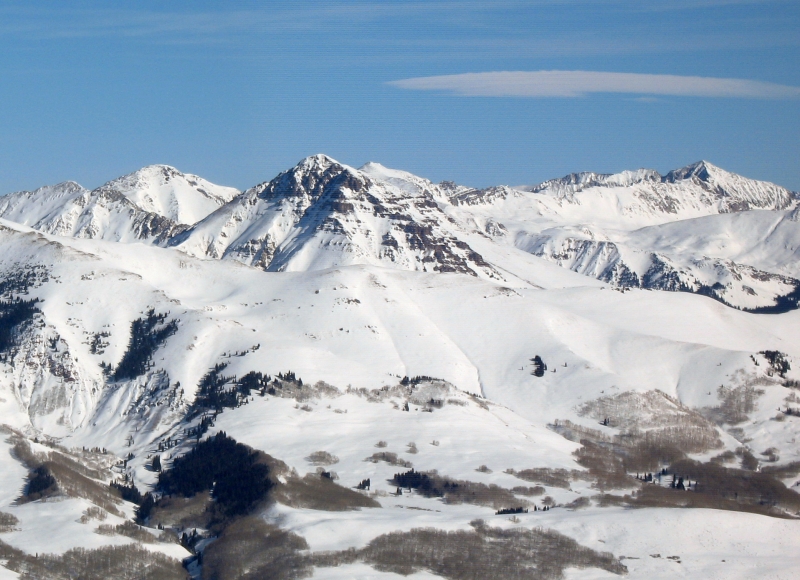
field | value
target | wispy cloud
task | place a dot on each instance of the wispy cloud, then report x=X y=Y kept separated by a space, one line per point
x=559 y=83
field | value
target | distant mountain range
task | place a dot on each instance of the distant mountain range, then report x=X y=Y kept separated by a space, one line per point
x=697 y=229
x=358 y=373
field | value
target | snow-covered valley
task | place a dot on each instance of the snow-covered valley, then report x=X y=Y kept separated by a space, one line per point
x=611 y=362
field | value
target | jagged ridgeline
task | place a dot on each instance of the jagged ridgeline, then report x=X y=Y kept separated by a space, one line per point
x=147 y=335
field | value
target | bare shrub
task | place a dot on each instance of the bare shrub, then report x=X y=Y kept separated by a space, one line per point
x=126 y=562
x=604 y=466
x=127 y=529
x=545 y=475
x=654 y=418
x=320 y=493
x=381 y=444
x=412 y=448
x=251 y=549
x=477 y=554
x=93 y=513
x=771 y=454
x=783 y=471
x=322 y=458
x=7 y=522
x=749 y=460
x=724 y=457
x=455 y=491
x=655 y=430
x=648 y=456
x=483 y=469
x=71 y=477
x=607 y=500
x=743 y=486
x=579 y=503
x=390 y=458
x=332 y=475
x=529 y=491
x=73 y=483
x=573 y=432
x=716 y=487
x=735 y=404
x=182 y=512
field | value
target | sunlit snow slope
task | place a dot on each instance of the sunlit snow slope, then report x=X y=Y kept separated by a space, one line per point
x=474 y=335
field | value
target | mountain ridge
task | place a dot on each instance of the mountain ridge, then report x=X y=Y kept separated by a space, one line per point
x=321 y=214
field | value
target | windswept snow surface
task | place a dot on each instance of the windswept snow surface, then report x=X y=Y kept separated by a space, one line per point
x=163 y=190
x=295 y=275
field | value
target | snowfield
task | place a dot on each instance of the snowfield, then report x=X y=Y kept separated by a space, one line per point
x=527 y=347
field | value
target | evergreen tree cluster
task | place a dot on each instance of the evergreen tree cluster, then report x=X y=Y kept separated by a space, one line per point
x=254 y=381
x=128 y=492
x=98 y=344
x=13 y=314
x=40 y=480
x=217 y=391
x=147 y=335
x=145 y=507
x=223 y=466
x=17 y=282
x=413 y=381
x=509 y=511
x=538 y=366
x=290 y=377
x=785 y=303
x=778 y=361
x=424 y=483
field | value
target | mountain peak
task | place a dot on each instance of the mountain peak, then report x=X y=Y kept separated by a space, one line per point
x=702 y=170
x=320 y=161
x=163 y=190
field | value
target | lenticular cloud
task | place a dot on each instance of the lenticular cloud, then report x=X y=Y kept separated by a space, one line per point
x=579 y=83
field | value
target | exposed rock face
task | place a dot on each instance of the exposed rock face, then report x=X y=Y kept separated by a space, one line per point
x=323 y=214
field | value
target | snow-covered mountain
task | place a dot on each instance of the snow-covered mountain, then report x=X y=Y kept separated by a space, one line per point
x=163 y=190
x=322 y=214
x=150 y=205
x=695 y=189
x=609 y=227
x=355 y=324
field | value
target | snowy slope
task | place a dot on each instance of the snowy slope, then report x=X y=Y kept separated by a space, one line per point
x=67 y=209
x=471 y=292
x=163 y=190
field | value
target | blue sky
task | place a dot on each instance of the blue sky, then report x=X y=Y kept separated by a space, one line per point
x=237 y=91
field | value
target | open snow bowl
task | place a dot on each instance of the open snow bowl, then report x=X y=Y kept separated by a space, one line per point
x=439 y=281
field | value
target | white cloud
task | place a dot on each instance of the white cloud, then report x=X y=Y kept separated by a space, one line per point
x=560 y=83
